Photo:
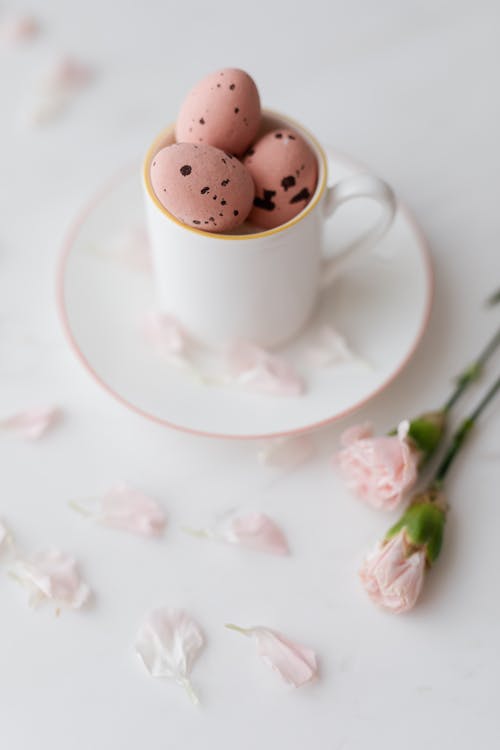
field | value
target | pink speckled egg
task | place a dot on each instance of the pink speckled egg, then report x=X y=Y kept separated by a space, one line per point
x=202 y=186
x=222 y=110
x=285 y=172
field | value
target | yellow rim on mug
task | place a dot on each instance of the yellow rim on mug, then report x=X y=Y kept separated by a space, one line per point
x=320 y=188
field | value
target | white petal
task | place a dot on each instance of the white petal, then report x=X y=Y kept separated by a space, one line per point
x=31 y=424
x=125 y=508
x=168 y=642
x=131 y=247
x=330 y=348
x=4 y=534
x=165 y=334
x=296 y=664
x=51 y=574
x=403 y=429
x=287 y=453
x=257 y=370
x=256 y=531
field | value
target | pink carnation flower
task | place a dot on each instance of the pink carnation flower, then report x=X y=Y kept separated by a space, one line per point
x=380 y=470
x=392 y=575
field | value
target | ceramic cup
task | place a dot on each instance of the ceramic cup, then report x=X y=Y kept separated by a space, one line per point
x=257 y=285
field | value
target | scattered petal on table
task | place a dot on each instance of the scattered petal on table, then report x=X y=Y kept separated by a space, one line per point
x=53 y=575
x=4 y=535
x=256 y=531
x=165 y=334
x=67 y=75
x=296 y=664
x=125 y=508
x=31 y=424
x=287 y=453
x=132 y=247
x=168 y=643
x=18 y=29
x=257 y=370
x=57 y=87
x=330 y=348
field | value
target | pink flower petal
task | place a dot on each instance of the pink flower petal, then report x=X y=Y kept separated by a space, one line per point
x=256 y=531
x=18 y=29
x=51 y=574
x=330 y=348
x=258 y=370
x=67 y=75
x=132 y=247
x=127 y=509
x=287 y=453
x=56 y=89
x=379 y=470
x=165 y=334
x=296 y=664
x=31 y=424
x=168 y=643
x=392 y=576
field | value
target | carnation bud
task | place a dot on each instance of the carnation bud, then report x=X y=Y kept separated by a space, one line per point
x=423 y=523
x=426 y=431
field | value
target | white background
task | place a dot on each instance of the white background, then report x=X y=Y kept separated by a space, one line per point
x=411 y=89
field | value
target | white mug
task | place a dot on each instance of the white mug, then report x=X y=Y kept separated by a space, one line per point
x=256 y=285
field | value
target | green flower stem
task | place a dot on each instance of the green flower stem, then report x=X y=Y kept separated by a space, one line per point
x=461 y=434
x=473 y=372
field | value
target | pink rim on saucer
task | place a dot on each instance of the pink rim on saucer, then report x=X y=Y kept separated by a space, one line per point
x=61 y=269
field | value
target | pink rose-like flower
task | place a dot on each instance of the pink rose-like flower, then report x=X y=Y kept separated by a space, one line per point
x=380 y=470
x=392 y=575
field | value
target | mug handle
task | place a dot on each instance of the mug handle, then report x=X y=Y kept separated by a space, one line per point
x=357 y=186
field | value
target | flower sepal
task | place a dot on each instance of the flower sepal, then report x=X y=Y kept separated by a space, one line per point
x=426 y=432
x=423 y=523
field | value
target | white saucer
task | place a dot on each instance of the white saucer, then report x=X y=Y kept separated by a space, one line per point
x=381 y=307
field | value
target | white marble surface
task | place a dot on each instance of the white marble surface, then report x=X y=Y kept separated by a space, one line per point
x=412 y=90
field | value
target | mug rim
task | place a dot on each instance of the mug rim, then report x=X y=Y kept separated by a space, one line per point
x=318 y=193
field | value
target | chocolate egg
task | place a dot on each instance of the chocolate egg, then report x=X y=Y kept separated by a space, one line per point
x=202 y=186
x=222 y=110
x=285 y=172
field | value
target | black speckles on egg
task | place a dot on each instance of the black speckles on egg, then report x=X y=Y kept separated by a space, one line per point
x=250 y=152
x=265 y=203
x=236 y=110
x=218 y=85
x=225 y=182
x=223 y=202
x=221 y=214
x=215 y=197
x=232 y=87
x=236 y=212
x=154 y=164
x=292 y=137
x=278 y=135
x=195 y=221
x=204 y=190
x=185 y=170
x=288 y=182
x=201 y=121
x=224 y=161
x=304 y=195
